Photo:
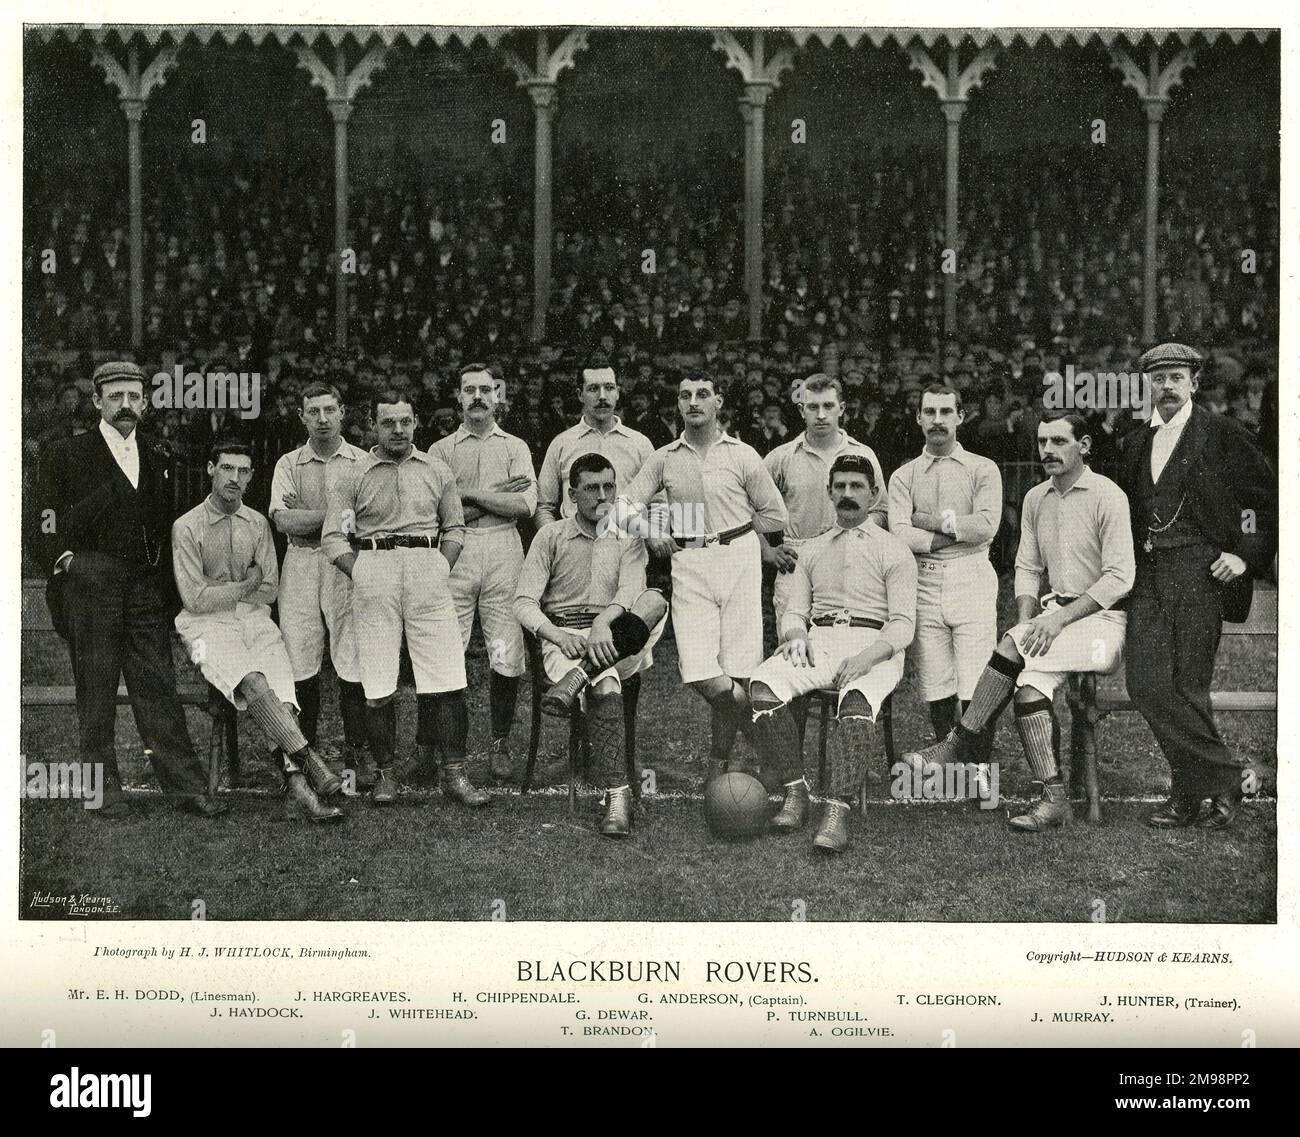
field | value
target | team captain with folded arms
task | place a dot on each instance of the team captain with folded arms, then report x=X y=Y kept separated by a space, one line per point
x=402 y=544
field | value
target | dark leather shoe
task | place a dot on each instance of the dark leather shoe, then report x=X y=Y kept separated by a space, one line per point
x=1176 y=813
x=301 y=803
x=205 y=805
x=384 y=791
x=1219 y=812
x=618 y=813
x=322 y=779
x=559 y=700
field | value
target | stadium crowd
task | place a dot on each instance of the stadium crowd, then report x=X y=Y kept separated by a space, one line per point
x=238 y=277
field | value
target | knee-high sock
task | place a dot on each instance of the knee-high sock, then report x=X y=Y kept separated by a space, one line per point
x=630 y=634
x=1038 y=734
x=308 y=693
x=723 y=723
x=776 y=736
x=848 y=751
x=605 y=733
x=277 y=722
x=448 y=721
x=631 y=698
x=381 y=727
x=992 y=693
x=741 y=709
x=943 y=716
x=984 y=747
x=503 y=690
x=352 y=710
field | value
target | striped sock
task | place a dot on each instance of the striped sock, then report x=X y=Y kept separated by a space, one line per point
x=992 y=693
x=1037 y=726
x=277 y=722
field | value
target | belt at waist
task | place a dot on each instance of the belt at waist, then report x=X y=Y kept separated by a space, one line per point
x=304 y=542
x=573 y=618
x=470 y=527
x=1062 y=600
x=399 y=541
x=933 y=564
x=843 y=621
x=723 y=538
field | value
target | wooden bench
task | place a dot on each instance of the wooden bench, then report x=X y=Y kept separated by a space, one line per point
x=1089 y=703
x=223 y=740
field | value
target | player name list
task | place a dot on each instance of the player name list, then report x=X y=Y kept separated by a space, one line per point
x=301 y=995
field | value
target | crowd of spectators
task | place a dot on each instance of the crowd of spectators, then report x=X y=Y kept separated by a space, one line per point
x=239 y=277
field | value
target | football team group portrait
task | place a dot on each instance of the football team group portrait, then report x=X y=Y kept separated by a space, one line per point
x=667 y=475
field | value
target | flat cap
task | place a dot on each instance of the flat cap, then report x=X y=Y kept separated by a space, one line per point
x=1169 y=355
x=116 y=369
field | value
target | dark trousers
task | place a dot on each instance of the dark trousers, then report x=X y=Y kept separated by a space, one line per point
x=1174 y=622
x=117 y=626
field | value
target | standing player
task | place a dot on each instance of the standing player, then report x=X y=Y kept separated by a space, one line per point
x=945 y=506
x=226 y=572
x=393 y=524
x=847 y=623
x=1075 y=530
x=719 y=497
x=800 y=469
x=314 y=596
x=494 y=476
x=582 y=592
x=598 y=431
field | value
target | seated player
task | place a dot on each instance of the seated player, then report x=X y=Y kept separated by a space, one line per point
x=582 y=592
x=227 y=575
x=849 y=618
x=1075 y=529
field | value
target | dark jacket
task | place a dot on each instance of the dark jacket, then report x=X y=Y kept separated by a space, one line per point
x=82 y=494
x=1231 y=494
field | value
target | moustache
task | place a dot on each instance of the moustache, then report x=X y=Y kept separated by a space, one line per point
x=126 y=412
x=846 y=503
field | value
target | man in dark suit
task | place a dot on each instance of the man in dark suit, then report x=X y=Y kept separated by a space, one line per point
x=1202 y=501
x=105 y=496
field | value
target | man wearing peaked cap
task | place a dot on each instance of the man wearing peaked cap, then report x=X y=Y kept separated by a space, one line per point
x=1203 y=509
x=107 y=494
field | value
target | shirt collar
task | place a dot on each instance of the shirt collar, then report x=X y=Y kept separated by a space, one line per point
x=802 y=443
x=1177 y=422
x=415 y=453
x=959 y=453
x=215 y=514
x=680 y=441
x=1085 y=481
x=114 y=438
x=584 y=427
x=865 y=523
x=346 y=450
x=574 y=530
x=464 y=432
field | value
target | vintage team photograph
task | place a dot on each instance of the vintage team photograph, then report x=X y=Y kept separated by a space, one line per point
x=649 y=474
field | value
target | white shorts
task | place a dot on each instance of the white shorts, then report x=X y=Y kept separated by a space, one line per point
x=314 y=597
x=396 y=591
x=1095 y=643
x=718 y=609
x=956 y=624
x=228 y=646
x=781 y=586
x=831 y=647
x=484 y=581
x=557 y=665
